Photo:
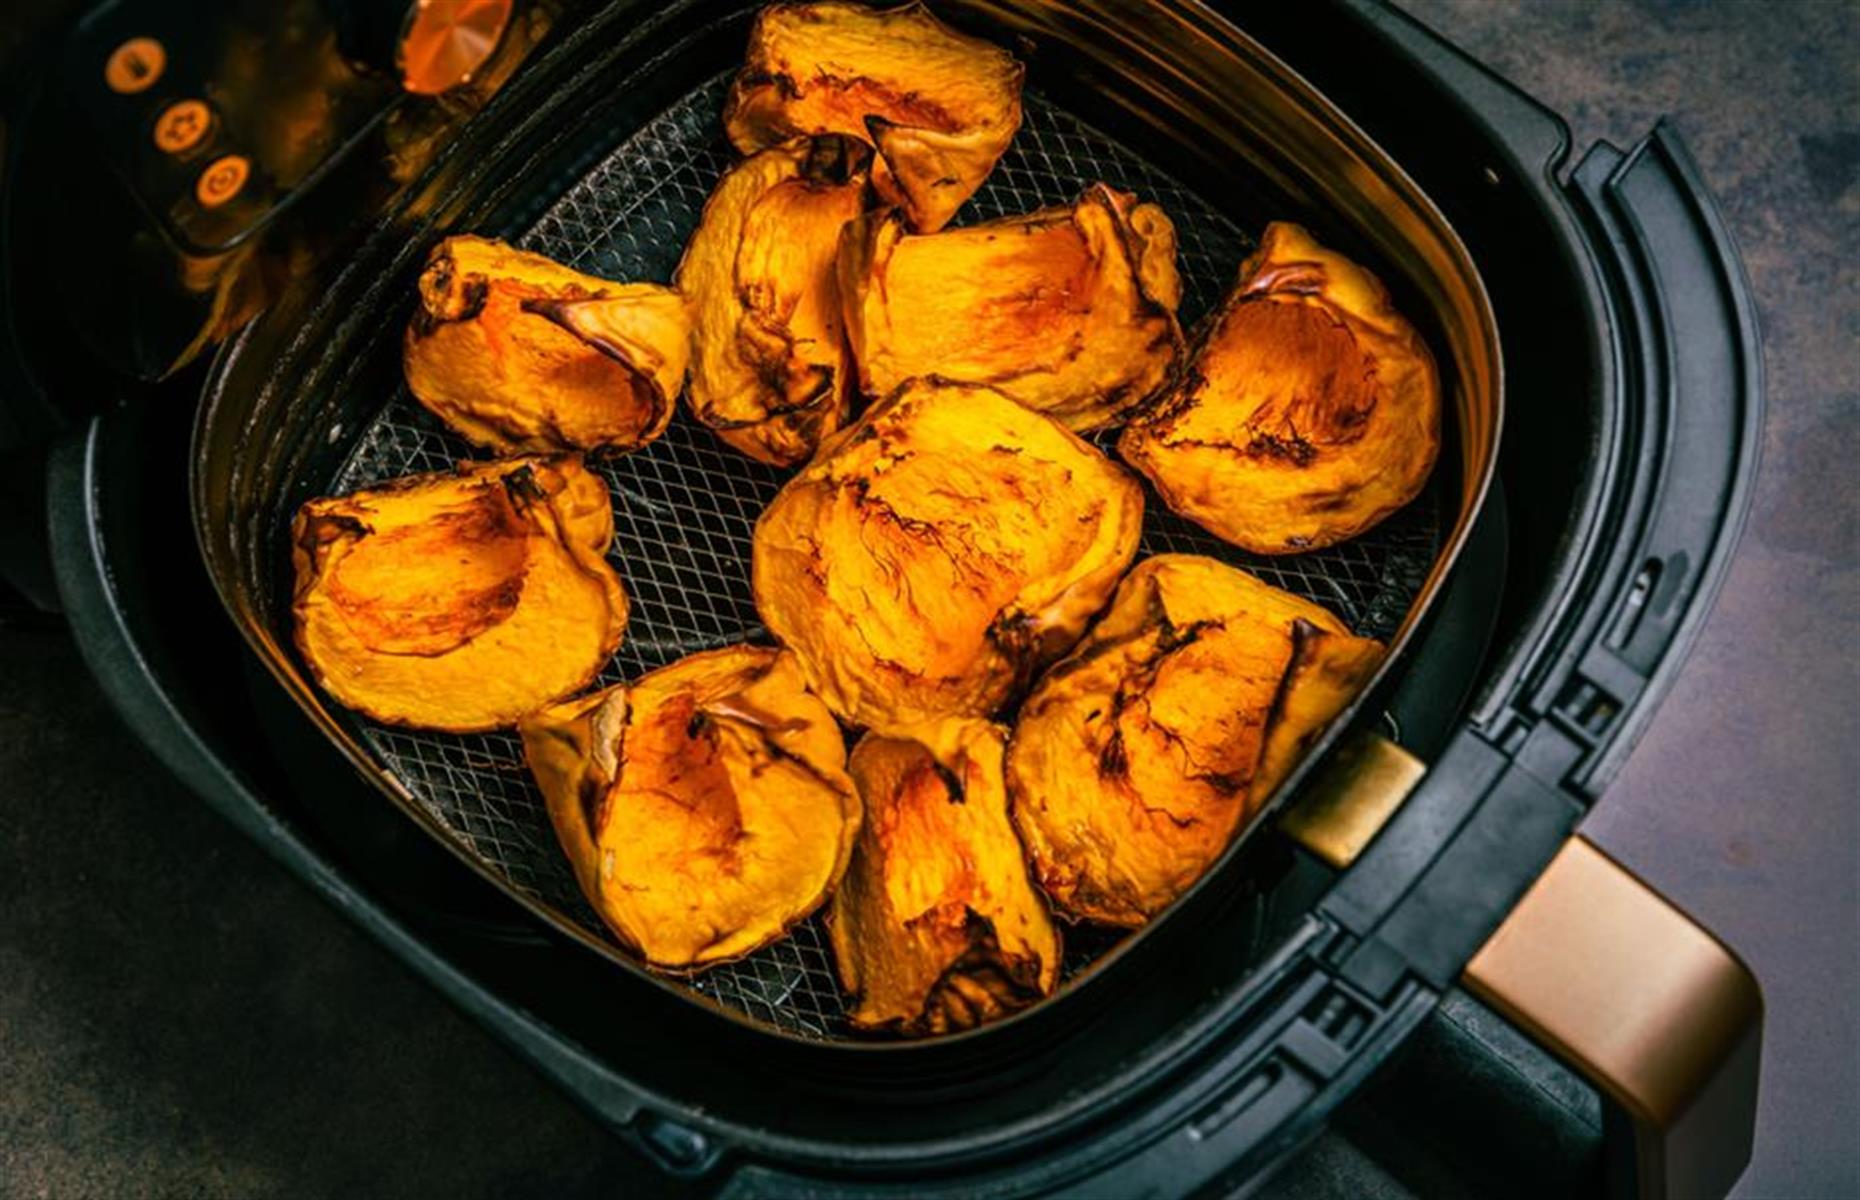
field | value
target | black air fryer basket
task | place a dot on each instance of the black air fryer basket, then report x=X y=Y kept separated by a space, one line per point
x=1535 y=598
x=323 y=412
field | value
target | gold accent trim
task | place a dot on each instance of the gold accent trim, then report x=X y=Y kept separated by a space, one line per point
x=1351 y=797
x=1600 y=969
x=1659 y=1015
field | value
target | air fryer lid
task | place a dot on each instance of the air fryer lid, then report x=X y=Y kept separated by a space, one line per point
x=602 y=154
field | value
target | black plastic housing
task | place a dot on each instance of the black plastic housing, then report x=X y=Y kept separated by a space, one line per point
x=1621 y=306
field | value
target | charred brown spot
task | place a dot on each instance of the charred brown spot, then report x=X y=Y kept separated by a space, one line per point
x=324 y=528
x=1174 y=401
x=906 y=108
x=780 y=81
x=524 y=488
x=1156 y=617
x=475 y=293
x=781 y=753
x=591 y=794
x=1295 y=449
x=1026 y=643
x=1304 y=636
x=1114 y=759
x=1230 y=782
x=1017 y=634
x=442 y=301
x=981 y=984
x=951 y=781
x=1173 y=637
x=834 y=160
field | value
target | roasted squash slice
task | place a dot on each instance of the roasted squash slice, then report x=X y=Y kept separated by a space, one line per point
x=1139 y=756
x=1309 y=412
x=1070 y=311
x=459 y=600
x=939 y=106
x=940 y=552
x=519 y=353
x=705 y=807
x=771 y=376
x=937 y=927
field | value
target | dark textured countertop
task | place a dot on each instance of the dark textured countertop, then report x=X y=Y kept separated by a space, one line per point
x=178 y=1017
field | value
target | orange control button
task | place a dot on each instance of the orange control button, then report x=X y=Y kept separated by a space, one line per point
x=182 y=126
x=222 y=180
x=135 y=65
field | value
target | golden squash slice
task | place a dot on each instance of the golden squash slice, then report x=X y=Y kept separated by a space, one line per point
x=1309 y=412
x=1139 y=757
x=940 y=552
x=459 y=600
x=519 y=353
x=940 y=107
x=770 y=375
x=705 y=807
x=937 y=927
x=1071 y=311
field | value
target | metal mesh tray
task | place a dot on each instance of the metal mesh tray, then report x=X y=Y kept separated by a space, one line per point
x=685 y=507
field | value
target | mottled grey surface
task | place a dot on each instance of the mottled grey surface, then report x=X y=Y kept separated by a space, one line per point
x=177 y=1017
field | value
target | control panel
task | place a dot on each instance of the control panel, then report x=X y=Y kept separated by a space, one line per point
x=216 y=115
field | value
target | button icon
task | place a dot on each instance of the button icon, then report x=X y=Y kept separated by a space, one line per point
x=182 y=126
x=135 y=65
x=222 y=180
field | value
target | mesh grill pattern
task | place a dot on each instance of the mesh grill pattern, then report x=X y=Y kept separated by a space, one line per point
x=685 y=508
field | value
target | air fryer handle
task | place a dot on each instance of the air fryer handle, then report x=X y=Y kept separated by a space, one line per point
x=1597 y=967
x=1661 y=1017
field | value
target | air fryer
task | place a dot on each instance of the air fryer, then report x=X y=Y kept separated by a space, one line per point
x=1596 y=331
